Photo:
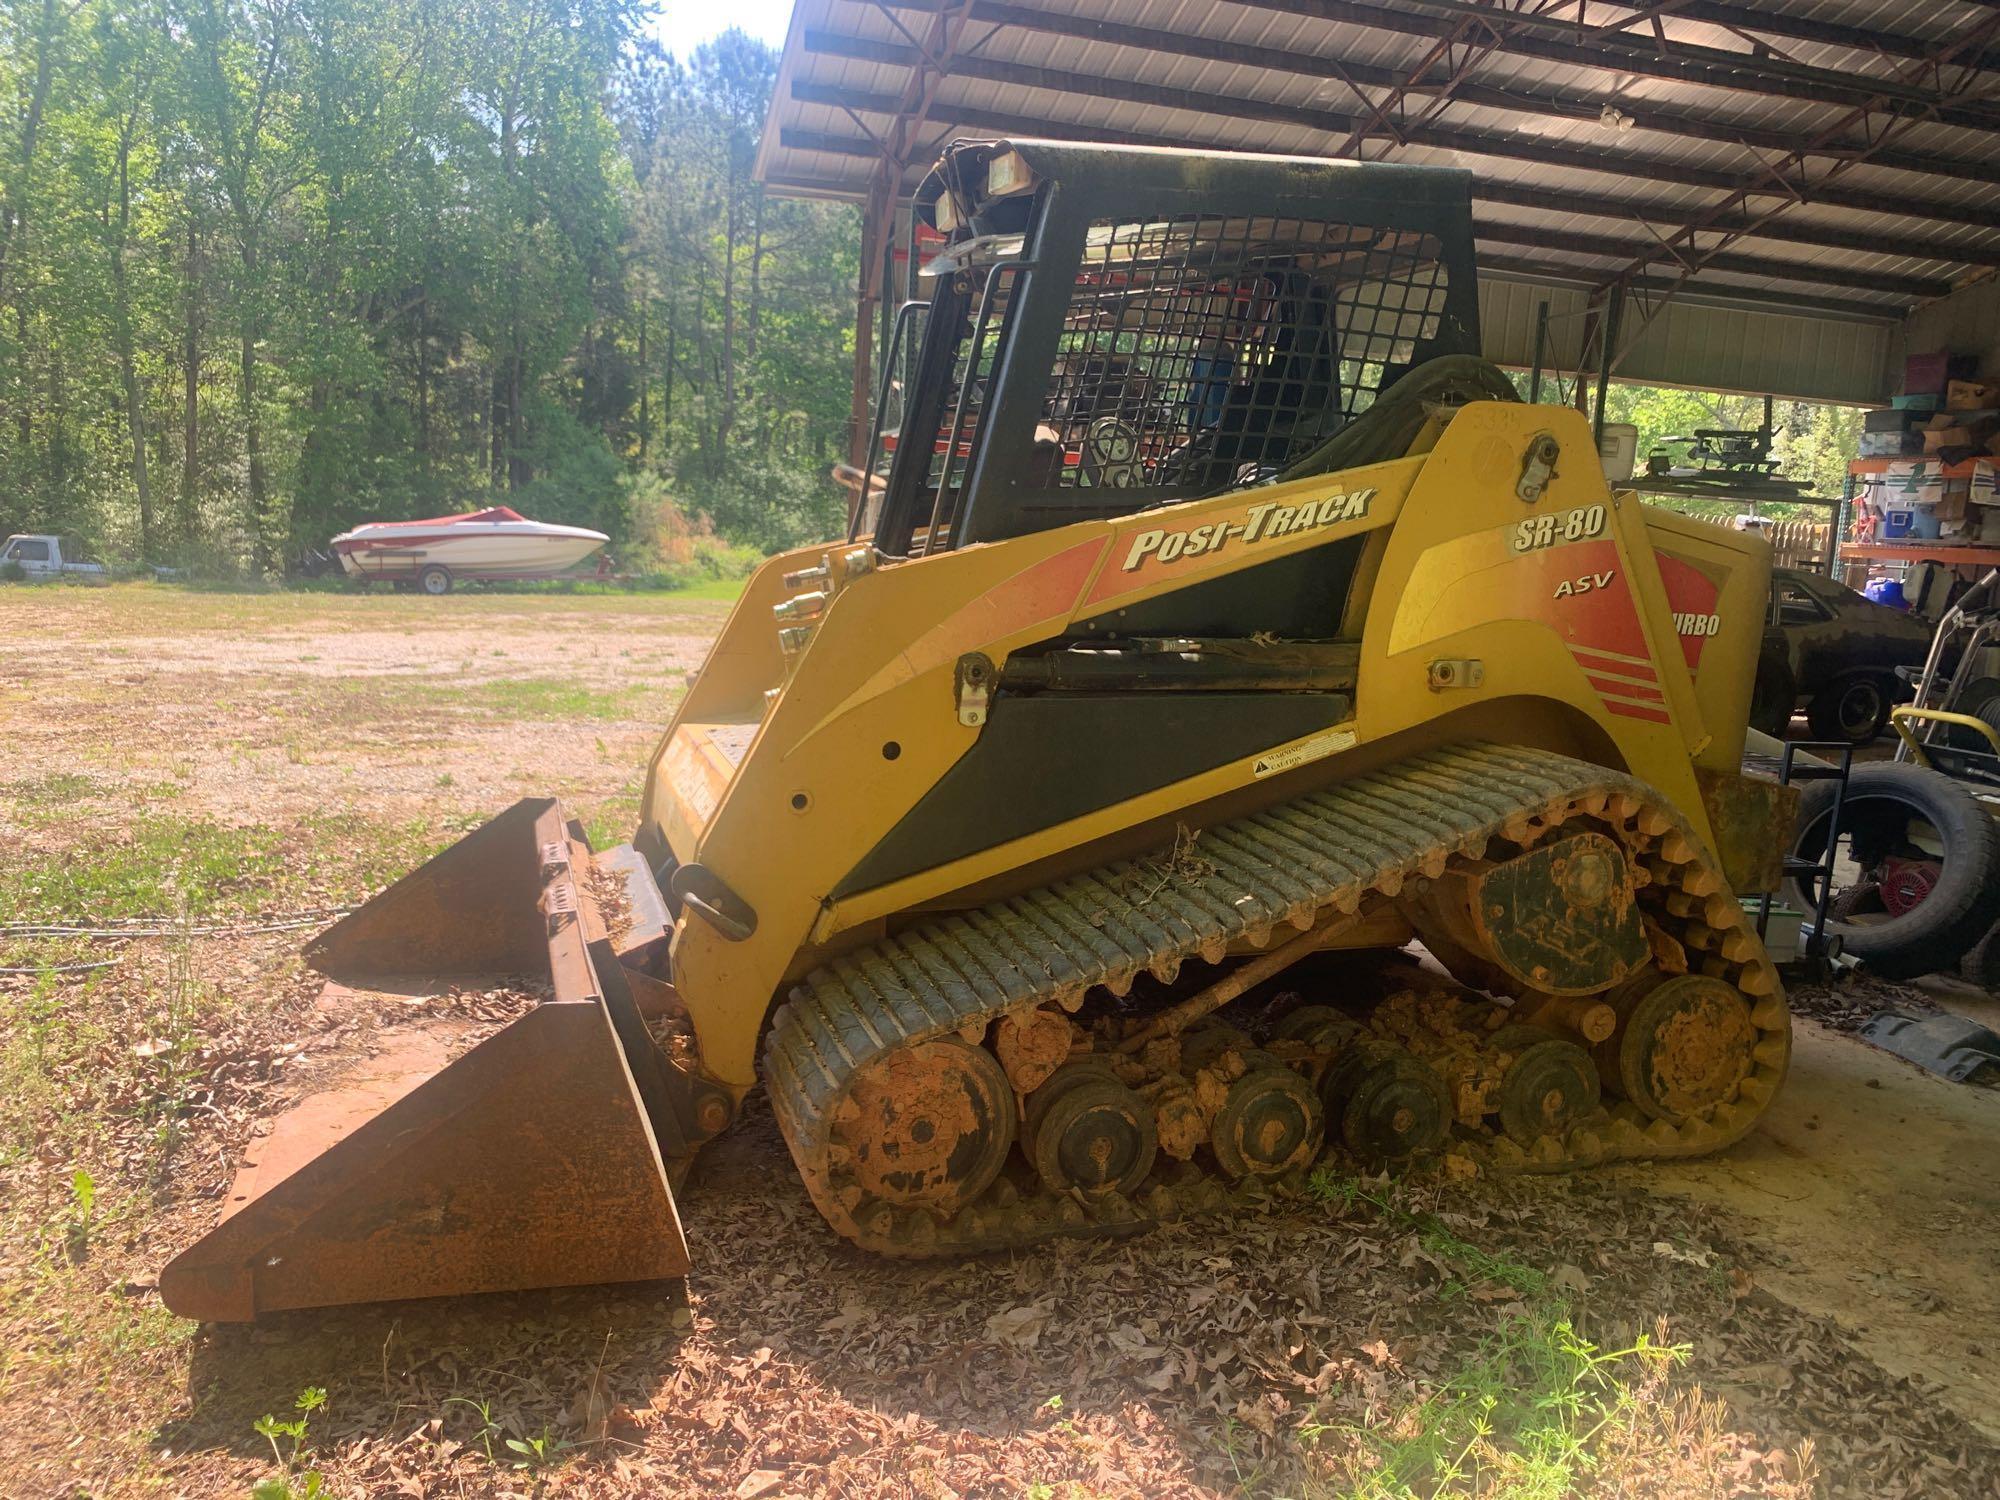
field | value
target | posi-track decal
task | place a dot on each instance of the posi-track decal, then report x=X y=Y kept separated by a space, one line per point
x=1260 y=523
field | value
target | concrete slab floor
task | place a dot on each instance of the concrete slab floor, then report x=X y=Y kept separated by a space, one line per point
x=1876 y=1188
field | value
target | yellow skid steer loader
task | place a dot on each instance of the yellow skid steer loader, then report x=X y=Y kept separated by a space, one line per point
x=1209 y=609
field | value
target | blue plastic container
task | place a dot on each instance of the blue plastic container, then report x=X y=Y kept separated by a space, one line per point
x=1887 y=591
x=1896 y=523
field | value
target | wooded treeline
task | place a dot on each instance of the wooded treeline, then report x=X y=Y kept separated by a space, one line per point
x=272 y=267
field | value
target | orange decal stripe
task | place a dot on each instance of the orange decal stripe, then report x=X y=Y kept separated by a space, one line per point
x=1632 y=690
x=1636 y=711
x=1608 y=661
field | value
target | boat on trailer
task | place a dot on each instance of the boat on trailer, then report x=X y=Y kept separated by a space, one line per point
x=490 y=544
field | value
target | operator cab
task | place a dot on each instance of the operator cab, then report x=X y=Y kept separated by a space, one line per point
x=1114 y=328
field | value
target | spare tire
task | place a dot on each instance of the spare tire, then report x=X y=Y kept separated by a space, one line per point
x=1980 y=698
x=1977 y=695
x=1917 y=875
x=1988 y=713
x=1981 y=966
x=1852 y=709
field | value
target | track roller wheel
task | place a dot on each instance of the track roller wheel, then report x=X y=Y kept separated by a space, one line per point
x=1549 y=1087
x=1386 y=1102
x=1682 y=1046
x=1207 y=1045
x=1318 y=1026
x=1089 y=1132
x=928 y=1126
x=1270 y=1122
x=1178 y=1122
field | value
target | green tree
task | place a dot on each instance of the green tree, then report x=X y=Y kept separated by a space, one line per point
x=1812 y=441
x=269 y=268
x=747 y=300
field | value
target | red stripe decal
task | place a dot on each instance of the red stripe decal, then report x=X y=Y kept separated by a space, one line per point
x=1634 y=711
x=1597 y=661
x=1626 y=689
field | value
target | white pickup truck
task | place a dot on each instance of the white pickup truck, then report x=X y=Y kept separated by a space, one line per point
x=46 y=557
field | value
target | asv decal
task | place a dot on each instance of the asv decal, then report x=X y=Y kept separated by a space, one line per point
x=1577 y=525
x=1589 y=583
x=1698 y=625
x=1261 y=524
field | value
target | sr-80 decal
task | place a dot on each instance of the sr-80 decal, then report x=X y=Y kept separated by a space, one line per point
x=1557 y=527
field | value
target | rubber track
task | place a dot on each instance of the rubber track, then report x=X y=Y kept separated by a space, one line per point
x=1242 y=882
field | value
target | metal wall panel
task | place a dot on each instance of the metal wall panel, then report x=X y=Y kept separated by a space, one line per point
x=1966 y=322
x=1707 y=346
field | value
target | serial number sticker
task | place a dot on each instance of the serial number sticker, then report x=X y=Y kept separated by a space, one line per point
x=1261 y=523
x=1292 y=756
x=733 y=740
x=1578 y=525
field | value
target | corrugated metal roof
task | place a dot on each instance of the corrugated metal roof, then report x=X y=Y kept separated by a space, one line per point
x=1538 y=112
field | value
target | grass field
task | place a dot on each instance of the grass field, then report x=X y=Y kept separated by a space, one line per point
x=220 y=771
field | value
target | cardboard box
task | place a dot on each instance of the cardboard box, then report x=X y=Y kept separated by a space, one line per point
x=1971 y=395
x=1983 y=485
x=1970 y=430
x=1978 y=479
x=1922 y=481
x=1890 y=444
x=1925 y=374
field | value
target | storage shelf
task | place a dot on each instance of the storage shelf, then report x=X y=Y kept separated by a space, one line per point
x=1974 y=555
x=1863 y=467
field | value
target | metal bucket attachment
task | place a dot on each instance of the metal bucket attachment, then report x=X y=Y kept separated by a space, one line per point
x=532 y=1159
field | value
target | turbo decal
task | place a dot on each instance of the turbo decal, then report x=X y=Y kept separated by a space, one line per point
x=1691 y=595
x=1261 y=523
x=1578 y=525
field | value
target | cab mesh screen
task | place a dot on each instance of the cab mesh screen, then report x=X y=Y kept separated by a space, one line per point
x=1207 y=351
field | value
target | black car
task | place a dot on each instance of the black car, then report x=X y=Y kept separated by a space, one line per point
x=1836 y=653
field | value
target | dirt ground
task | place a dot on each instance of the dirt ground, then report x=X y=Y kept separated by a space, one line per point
x=236 y=761
x=1865 y=1186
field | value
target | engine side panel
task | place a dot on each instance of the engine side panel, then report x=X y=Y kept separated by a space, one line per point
x=1564 y=600
x=1718 y=585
